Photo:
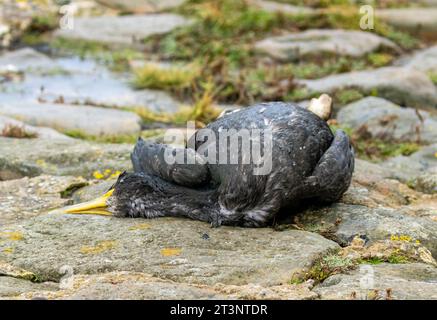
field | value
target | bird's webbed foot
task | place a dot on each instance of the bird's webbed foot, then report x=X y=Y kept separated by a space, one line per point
x=216 y=220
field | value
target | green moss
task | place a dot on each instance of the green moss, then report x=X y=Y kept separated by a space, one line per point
x=324 y=267
x=334 y=127
x=378 y=60
x=165 y=78
x=347 y=96
x=116 y=59
x=398 y=258
x=328 y=3
x=373 y=260
x=78 y=134
x=433 y=76
x=375 y=149
x=299 y=94
x=395 y=258
x=43 y=23
x=315 y=3
x=71 y=189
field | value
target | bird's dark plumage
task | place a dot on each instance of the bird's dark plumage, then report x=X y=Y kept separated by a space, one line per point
x=308 y=161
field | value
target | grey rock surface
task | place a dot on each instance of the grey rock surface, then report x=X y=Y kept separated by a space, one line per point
x=167 y=248
x=28 y=197
x=32 y=157
x=424 y=60
x=413 y=19
x=322 y=42
x=343 y=222
x=413 y=281
x=141 y=6
x=122 y=30
x=62 y=117
x=386 y=120
x=409 y=167
x=402 y=86
x=41 y=132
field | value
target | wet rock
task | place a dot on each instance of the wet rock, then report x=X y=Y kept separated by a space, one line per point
x=74 y=81
x=32 y=157
x=167 y=248
x=386 y=120
x=7 y=123
x=319 y=42
x=405 y=87
x=409 y=167
x=28 y=197
x=25 y=59
x=421 y=20
x=392 y=281
x=343 y=222
x=424 y=60
x=141 y=6
x=272 y=6
x=122 y=30
x=87 y=119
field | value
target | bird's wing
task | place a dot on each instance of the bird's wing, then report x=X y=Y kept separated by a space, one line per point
x=178 y=165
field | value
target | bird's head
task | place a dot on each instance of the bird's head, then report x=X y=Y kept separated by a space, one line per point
x=127 y=197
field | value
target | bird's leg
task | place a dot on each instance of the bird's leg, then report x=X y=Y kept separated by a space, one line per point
x=179 y=165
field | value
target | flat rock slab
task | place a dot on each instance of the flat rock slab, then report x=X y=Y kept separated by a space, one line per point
x=87 y=119
x=94 y=89
x=32 y=157
x=413 y=281
x=122 y=30
x=28 y=197
x=272 y=6
x=141 y=6
x=384 y=119
x=413 y=19
x=424 y=60
x=40 y=132
x=343 y=222
x=405 y=87
x=75 y=81
x=11 y=287
x=319 y=42
x=409 y=167
x=140 y=286
x=177 y=249
x=24 y=59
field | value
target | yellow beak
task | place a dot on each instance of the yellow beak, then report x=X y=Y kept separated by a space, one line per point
x=96 y=206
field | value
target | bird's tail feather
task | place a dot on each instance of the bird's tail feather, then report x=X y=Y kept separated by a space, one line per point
x=333 y=173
